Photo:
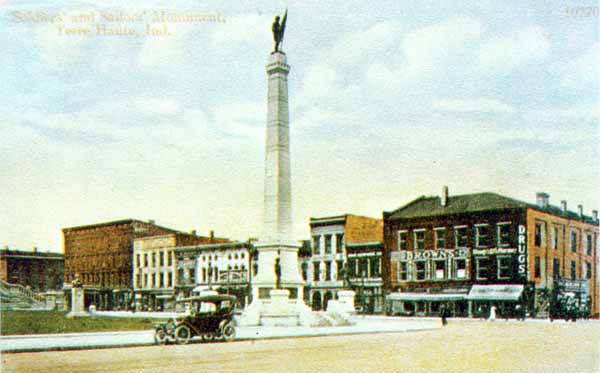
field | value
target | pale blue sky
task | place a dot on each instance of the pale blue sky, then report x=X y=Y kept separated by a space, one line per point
x=387 y=103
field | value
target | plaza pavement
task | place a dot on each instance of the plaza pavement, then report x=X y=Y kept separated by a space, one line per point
x=75 y=341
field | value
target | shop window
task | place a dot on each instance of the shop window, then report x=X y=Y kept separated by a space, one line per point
x=537 y=271
x=504 y=265
x=460 y=268
x=503 y=234
x=573 y=270
x=574 y=241
x=482 y=268
x=460 y=237
x=339 y=243
x=316 y=245
x=420 y=270
x=327 y=244
x=316 y=271
x=482 y=236
x=555 y=268
x=402 y=271
x=402 y=244
x=440 y=238
x=419 y=239
x=439 y=267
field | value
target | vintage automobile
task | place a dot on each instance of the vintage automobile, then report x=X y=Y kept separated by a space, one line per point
x=209 y=317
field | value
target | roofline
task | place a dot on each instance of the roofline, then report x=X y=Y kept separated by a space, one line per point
x=114 y=222
x=336 y=218
x=583 y=218
x=212 y=246
x=373 y=243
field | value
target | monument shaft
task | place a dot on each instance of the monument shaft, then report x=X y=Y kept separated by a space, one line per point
x=277 y=199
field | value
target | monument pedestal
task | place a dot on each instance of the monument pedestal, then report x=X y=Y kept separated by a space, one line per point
x=77 y=305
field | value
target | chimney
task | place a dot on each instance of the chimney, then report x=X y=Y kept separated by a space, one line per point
x=193 y=232
x=542 y=199
x=151 y=221
x=563 y=206
x=580 y=210
x=595 y=215
x=444 y=200
x=211 y=235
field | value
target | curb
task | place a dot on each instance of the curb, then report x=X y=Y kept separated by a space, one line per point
x=130 y=345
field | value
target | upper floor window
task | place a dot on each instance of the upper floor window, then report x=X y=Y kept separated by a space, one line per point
x=460 y=268
x=352 y=267
x=503 y=234
x=482 y=235
x=588 y=244
x=169 y=258
x=419 y=239
x=402 y=271
x=482 y=265
x=339 y=243
x=402 y=244
x=440 y=238
x=555 y=268
x=339 y=266
x=538 y=267
x=460 y=237
x=574 y=241
x=588 y=270
x=439 y=269
x=162 y=259
x=304 y=271
x=375 y=266
x=154 y=263
x=327 y=244
x=139 y=260
x=540 y=234
x=554 y=238
x=316 y=271
x=573 y=270
x=327 y=271
x=419 y=270
x=504 y=267
x=145 y=260
x=316 y=245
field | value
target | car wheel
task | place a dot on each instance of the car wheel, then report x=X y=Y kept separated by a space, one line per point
x=183 y=334
x=228 y=332
x=160 y=337
x=208 y=337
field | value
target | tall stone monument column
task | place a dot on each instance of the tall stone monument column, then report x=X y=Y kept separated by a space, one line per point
x=276 y=240
x=277 y=288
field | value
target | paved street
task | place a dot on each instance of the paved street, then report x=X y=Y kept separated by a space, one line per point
x=461 y=346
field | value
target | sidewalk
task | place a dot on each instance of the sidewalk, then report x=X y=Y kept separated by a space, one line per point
x=75 y=341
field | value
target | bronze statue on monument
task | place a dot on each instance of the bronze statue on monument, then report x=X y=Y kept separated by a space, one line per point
x=278 y=30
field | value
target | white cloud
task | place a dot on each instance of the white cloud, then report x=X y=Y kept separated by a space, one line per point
x=584 y=70
x=481 y=105
x=505 y=53
x=428 y=48
x=242 y=118
x=318 y=82
x=358 y=45
x=240 y=30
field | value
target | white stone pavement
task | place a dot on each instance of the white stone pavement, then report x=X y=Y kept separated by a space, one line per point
x=75 y=341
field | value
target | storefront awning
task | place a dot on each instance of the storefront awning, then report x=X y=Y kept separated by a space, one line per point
x=495 y=292
x=415 y=297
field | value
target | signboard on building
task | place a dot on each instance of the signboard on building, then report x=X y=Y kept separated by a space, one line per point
x=430 y=254
x=522 y=251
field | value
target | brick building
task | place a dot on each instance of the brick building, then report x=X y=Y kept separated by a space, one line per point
x=154 y=275
x=330 y=238
x=101 y=256
x=471 y=252
x=33 y=269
